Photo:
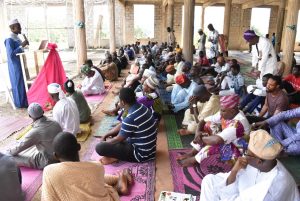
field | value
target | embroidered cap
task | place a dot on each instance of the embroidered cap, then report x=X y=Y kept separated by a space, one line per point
x=152 y=82
x=230 y=101
x=263 y=145
x=14 y=21
x=249 y=34
x=181 y=79
x=35 y=110
x=85 y=69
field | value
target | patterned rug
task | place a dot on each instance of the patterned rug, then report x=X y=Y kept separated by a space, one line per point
x=188 y=179
x=143 y=173
x=31 y=181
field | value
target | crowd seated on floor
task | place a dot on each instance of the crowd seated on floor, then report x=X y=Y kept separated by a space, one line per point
x=225 y=116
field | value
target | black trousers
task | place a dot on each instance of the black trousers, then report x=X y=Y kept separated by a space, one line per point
x=122 y=151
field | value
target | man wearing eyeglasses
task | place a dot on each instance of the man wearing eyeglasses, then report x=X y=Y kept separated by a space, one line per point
x=256 y=176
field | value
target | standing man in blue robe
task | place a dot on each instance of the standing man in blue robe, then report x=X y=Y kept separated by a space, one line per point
x=14 y=45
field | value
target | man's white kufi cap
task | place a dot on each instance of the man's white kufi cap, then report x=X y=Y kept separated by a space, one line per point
x=14 y=21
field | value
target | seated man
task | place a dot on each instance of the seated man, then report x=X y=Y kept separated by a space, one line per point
x=256 y=176
x=170 y=70
x=202 y=105
x=65 y=111
x=233 y=82
x=82 y=105
x=221 y=67
x=287 y=135
x=117 y=61
x=122 y=58
x=256 y=95
x=202 y=60
x=93 y=83
x=110 y=69
x=89 y=62
x=179 y=64
x=11 y=180
x=210 y=139
x=181 y=93
x=276 y=101
x=136 y=141
x=95 y=185
x=35 y=149
x=291 y=84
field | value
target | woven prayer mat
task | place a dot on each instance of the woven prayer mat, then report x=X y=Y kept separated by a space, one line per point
x=188 y=179
x=292 y=164
x=31 y=181
x=10 y=125
x=143 y=174
x=99 y=97
x=174 y=140
x=105 y=125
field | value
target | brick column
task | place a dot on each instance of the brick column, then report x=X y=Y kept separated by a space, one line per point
x=112 y=35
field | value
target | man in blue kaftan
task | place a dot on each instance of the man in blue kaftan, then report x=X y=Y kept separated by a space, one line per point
x=14 y=45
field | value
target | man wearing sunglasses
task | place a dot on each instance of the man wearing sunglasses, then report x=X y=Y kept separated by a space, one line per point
x=256 y=176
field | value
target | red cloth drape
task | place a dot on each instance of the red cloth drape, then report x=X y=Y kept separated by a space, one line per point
x=52 y=72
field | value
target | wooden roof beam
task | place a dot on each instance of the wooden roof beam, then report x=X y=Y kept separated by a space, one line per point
x=257 y=3
x=211 y=2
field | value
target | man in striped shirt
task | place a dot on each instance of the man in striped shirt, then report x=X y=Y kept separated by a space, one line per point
x=136 y=141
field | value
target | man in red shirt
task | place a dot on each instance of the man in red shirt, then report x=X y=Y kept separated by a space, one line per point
x=291 y=84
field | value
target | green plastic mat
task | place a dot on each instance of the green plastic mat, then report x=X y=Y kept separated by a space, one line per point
x=292 y=164
x=174 y=141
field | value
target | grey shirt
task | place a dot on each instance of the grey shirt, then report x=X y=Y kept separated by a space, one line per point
x=10 y=180
x=40 y=136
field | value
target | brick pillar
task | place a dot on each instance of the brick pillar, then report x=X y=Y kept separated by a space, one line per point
x=129 y=23
x=112 y=35
x=157 y=23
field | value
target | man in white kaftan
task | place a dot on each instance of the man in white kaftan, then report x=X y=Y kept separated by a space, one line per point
x=263 y=53
x=213 y=38
x=256 y=177
x=93 y=82
x=65 y=111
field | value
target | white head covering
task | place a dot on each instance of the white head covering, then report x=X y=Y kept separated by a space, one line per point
x=55 y=88
x=152 y=82
x=35 y=110
x=148 y=73
x=14 y=21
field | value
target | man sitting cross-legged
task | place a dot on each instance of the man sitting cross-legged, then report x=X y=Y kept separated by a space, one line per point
x=136 y=141
x=65 y=111
x=256 y=176
x=202 y=105
x=36 y=150
x=210 y=139
x=74 y=180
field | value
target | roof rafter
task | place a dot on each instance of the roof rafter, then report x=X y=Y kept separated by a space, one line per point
x=257 y=3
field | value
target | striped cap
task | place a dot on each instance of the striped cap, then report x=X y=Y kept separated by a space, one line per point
x=152 y=82
x=230 y=101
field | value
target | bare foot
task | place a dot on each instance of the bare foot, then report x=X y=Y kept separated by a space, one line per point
x=189 y=154
x=183 y=132
x=188 y=162
x=109 y=112
x=115 y=92
x=127 y=172
x=122 y=185
x=106 y=160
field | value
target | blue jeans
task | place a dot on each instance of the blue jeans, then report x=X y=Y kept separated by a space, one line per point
x=251 y=101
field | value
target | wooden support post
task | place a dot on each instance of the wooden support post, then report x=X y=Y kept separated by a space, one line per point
x=279 y=25
x=227 y=17
x=202 y=16
x=80 y=34
x=170 y=22
x=112 y=36
x=290 y=34
x=188 y=29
